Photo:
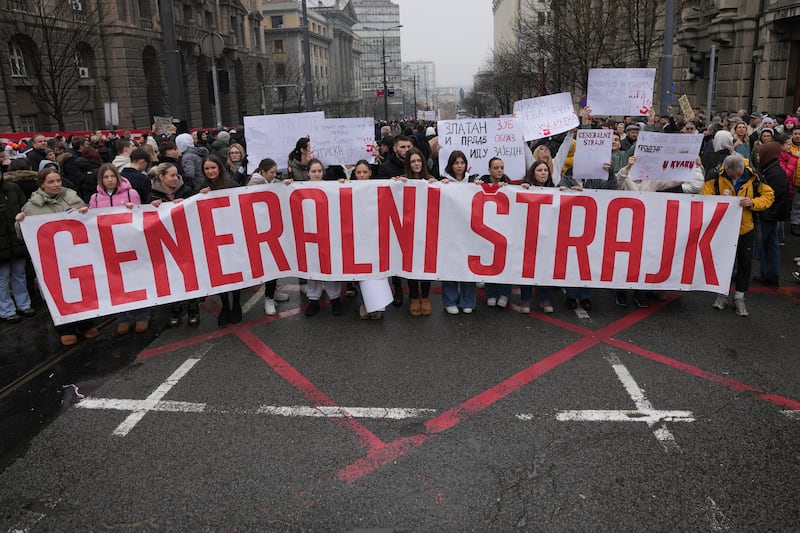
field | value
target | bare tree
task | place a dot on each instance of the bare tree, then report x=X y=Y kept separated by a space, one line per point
x=644 y=29
x=58 y=40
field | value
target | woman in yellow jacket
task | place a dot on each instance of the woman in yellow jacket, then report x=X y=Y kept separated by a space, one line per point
x=735 y=178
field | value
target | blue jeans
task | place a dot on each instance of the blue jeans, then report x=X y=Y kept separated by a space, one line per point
x=14 y=270
x=459 y=293
x=495 y=290
x=770 y=252
x=526 y=293
x=579 y=293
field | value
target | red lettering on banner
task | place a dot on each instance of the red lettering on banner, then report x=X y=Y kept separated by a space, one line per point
x=498 y=263
x=702 y=243
x=432 y=230
x=321 y=237
x=387 y=214
x=213 y=240
x=531 y=241
x=254 y=238
x=113 y=259
x=668 y=245
x=349 y=265
x=158 y=237
x=633 y=248
x=45 y=237
x=565 y=241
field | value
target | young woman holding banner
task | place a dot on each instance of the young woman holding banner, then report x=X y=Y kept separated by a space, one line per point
x=316 y=171
x=52 y=197
x=497 y=295
x=538 y=175
x=458 y=295
x=168 y=186
x=418 y=291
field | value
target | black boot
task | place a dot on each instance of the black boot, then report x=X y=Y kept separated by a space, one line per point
x=194 y=314
x=236 y=308
x=313 y=308
x=336 y=307
x=224 y=315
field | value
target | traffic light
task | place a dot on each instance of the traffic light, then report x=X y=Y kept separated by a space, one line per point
x=698 y=68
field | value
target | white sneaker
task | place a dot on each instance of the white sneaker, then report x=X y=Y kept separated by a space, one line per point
x=502 y=301
x=281 y=296
x=269 y=307
x=491 y=302
x=721 y=302
x=525 y=309
x=452 y=309
x=466 y=310
x=741 y=309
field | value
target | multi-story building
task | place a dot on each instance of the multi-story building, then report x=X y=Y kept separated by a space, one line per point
x=756 y=51
x=86 y=64
x=423 y=74
x=335 y=54
x=379 y=31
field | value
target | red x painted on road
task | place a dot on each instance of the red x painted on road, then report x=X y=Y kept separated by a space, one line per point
x=380 y=453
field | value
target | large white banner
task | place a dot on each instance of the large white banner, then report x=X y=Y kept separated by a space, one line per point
x=666 y=156
x=344 y=141
x=275 y=136
x=620 y=91
x=546 y=115
x=482 y=139
x=115 y=259
x=592 y=150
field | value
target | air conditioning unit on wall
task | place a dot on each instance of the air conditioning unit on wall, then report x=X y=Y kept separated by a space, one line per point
x=83 y=72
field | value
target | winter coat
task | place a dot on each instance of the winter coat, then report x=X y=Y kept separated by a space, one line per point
x=120 y=196
x=25 y=180
x=157 y=192
x=87 y=181
x=220 y=149
x=391 y=166
x=297 y=170
x=774 y=176
x=138 y=180
x=121 y=162
x=719 y=183
x=69 y=166
x=789 y=165
x=11 y=201
x=192 y=166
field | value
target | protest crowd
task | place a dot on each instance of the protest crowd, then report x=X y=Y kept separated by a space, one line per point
x=750 y=155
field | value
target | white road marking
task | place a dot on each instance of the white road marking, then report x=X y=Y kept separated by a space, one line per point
x=795 y=415
x=252 y=301
x=393 y=413
x=650 y=417
x=719 y=522
x=149 y=404
x=137 y=405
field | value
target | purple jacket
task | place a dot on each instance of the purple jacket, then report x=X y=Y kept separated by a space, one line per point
x=121 y=196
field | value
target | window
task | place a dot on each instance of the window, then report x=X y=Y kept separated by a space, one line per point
x=88 y=120
x=209 y=16
x=278 y=46
x=280 y=70
x=28 y=123
x=277 y=21
x=17 y=61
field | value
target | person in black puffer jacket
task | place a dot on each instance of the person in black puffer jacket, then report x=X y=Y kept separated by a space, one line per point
x=773 y=175
x=12 y=256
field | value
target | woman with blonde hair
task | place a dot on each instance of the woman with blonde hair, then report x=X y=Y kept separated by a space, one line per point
x=237 y=164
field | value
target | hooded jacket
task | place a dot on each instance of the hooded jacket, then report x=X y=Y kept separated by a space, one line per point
x=119 y=196
x=157 y=191
x=773 y=175
x=717 y=180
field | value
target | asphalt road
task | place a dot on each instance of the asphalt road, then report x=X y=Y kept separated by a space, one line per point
x=674 y=417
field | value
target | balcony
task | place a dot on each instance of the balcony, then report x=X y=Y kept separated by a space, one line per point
x=146 y=24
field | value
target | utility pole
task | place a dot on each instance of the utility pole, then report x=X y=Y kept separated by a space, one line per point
x=172 y=58
x=666 y=63
x=309 y=87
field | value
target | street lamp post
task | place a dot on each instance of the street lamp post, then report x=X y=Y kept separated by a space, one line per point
x=383 y=53
x=212 y=44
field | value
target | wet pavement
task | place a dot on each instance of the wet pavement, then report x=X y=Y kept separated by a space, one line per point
x=674 y=417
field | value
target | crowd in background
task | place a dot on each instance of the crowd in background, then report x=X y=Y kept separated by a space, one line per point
x=750 y=155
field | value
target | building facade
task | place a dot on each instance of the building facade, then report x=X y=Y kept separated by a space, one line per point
x=335 y=56
x=379 y=32
x=113 y=71
x=423 y=74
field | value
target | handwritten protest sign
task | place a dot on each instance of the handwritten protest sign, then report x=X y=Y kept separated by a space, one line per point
x=428 y=116
x=546 y=115
x=621 y=91
x=163 y=125
x=592 y=150
x=666 y=156
x=482 y=139
x=343 y=141
x=274 y=136
x=686 y=107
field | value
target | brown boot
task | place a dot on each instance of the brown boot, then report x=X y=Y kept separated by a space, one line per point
x=426 y=308
x=415 y=307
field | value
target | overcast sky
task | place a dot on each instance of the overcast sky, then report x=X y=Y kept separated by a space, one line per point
x=454 y=34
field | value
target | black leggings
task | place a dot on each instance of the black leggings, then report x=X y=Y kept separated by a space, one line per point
x=418 y=289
